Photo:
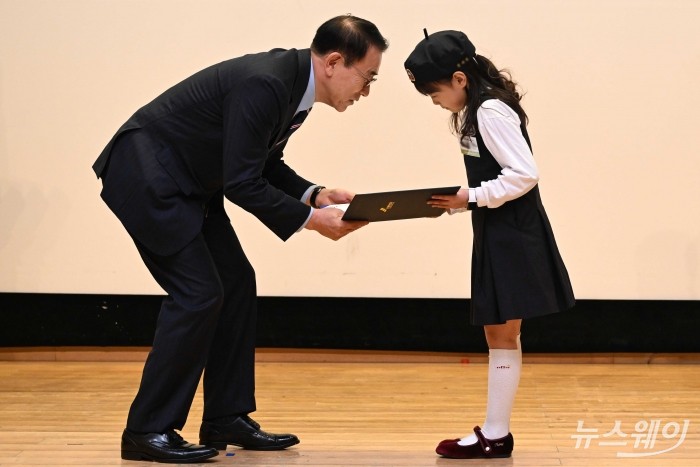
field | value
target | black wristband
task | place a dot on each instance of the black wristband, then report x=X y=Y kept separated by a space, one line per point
x=314 y=194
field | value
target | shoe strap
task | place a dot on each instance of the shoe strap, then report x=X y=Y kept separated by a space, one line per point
x=483 y=442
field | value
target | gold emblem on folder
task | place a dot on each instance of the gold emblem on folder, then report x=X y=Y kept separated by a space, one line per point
x=388 y=206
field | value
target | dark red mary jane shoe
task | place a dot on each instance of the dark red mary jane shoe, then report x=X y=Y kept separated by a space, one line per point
x=483 y=448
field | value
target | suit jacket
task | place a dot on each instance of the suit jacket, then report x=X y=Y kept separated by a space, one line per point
x=220 y=131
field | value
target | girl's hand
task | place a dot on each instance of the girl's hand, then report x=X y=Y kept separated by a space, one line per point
x=455 y=201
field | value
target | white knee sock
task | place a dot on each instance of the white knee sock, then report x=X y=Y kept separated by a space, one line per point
x=504 y=376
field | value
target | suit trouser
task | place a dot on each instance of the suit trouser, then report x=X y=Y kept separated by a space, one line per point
x=206 y=322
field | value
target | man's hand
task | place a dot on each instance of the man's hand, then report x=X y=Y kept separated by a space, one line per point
x=329 y=196
x=328 y=223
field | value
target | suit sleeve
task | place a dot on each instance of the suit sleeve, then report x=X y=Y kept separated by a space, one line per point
x=279 y=174
x=252 y=112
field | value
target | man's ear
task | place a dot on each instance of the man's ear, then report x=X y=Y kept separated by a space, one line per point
x=460 y=79
x=332 y=60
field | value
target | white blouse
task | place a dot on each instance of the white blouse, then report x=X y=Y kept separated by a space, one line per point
x=499 y=127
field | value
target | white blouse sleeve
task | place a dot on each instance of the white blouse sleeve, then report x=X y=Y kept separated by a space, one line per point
x=499 y=127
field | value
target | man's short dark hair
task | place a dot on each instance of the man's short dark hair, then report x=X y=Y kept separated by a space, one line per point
x=348 y=35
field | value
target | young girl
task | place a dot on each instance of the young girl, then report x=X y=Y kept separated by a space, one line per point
x=517 y=271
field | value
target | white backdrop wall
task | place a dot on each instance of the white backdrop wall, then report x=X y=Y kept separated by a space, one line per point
x=611 y=96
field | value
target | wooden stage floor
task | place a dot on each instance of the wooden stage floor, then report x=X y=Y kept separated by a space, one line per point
x=370 y=409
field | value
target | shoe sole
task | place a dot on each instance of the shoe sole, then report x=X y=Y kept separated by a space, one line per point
x=495 y=456
x=221 y=446
x=140 y=456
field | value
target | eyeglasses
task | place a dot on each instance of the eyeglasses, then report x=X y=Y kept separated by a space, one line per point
x=368 y=81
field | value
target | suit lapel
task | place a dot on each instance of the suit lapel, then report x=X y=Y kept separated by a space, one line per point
x=301 y=81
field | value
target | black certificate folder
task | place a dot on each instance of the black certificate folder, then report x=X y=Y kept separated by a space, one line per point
x=395 y=205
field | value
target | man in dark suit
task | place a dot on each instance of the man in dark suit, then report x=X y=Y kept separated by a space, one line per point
x=221 y=133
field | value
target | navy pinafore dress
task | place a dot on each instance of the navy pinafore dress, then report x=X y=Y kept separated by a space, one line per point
x=517 y=271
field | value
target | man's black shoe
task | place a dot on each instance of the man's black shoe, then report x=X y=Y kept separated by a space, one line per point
x=163 y=447
x=245 y=432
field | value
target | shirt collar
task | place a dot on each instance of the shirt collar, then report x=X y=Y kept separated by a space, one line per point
x=309 y=96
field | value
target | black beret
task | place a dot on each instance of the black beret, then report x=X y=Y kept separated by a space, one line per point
x=438 y=56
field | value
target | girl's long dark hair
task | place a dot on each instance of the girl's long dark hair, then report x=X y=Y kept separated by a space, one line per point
x=485 y=82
